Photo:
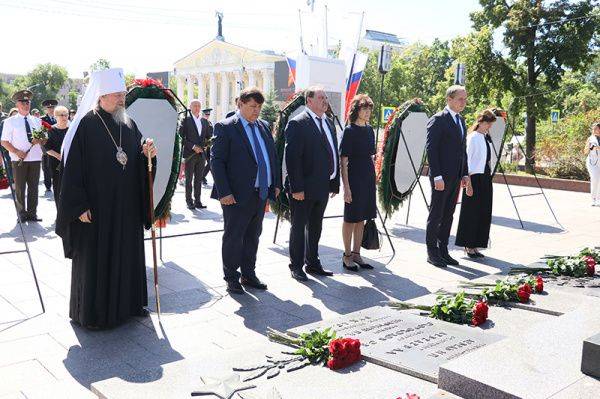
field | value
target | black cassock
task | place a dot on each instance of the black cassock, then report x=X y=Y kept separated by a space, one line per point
x=108 y=280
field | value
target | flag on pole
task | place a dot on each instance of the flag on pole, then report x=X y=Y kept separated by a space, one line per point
x=357 y=69
x=292 y=74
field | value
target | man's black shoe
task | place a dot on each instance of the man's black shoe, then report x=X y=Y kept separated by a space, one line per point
x=448 y=259
x=435 y=260
x=191 y=206
x=319 y=271
x=299 y=275
x=199 y=205
x=253 y=282
x=34 y=218
x=234 y=287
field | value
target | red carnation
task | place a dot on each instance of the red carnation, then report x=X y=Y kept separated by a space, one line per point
x=526 y=287
x=539 y=284
x=590 y=265
x=336 y=347
x=46 y=125
x=523 y=294
x=333 y=364
x=480 y=313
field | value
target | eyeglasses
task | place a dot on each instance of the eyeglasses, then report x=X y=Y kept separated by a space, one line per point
x=24 y=101
x=62 y=114
x=366 y=105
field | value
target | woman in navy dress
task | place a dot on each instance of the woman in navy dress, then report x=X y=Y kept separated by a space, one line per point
x=358 y=176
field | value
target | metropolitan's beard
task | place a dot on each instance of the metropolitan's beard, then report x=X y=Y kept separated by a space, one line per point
x=120 y=116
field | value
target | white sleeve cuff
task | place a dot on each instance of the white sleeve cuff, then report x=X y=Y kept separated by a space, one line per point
x=438 y=178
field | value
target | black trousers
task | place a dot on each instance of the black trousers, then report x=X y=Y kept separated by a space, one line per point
x=46 y=171
x=476 y=213
x=27 y=177
x=243 y=226
x=305 y=233
x=441 y=214
x=194 y=168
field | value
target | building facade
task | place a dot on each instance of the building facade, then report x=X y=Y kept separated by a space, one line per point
x=216 y=72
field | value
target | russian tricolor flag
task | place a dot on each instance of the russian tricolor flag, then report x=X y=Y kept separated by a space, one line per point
x=292 y=74
x=357 y=69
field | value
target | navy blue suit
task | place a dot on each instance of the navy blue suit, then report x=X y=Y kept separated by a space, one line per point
x=234 y=169
x=308 y=162
x=447 y=156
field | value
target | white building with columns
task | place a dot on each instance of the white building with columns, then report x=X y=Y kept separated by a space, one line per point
x=216 y=72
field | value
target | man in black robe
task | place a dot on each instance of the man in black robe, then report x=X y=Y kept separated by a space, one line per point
x=104 y=209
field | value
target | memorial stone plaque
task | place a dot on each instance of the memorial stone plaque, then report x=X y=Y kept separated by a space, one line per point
x=403 y=341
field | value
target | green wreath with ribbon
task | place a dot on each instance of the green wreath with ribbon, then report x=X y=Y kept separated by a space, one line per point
x=389 y=197
x=150 y=88
x=281 y=206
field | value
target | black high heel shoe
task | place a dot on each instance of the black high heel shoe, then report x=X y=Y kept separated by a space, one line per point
x=363 y=265
x=352 y=268
x=472 y=255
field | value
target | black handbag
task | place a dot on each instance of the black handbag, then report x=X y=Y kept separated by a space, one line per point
x=370 y=238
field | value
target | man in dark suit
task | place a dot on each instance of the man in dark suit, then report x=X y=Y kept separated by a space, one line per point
x=448 y=172
x=245 y=171
x=49 y=106
x=313 y=174
x=195 y=131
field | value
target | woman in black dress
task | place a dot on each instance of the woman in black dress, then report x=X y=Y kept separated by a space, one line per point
x=56 y=136
x=476 y=211
x=358 y=176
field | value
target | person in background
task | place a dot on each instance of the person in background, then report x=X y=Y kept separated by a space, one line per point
x=72 y=114
x=25 y=154
x=35 y=113
x=358 y=177
x=592 y=150
x=13 y=111
x=476 y=210
x=53 y=146
x=49 y=106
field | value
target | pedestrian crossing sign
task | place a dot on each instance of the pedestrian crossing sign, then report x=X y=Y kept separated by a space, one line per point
x=386 y=112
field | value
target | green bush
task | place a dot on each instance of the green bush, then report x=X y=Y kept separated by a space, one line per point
x=560 y=146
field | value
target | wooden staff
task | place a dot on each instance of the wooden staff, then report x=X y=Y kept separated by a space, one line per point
x=153 y=231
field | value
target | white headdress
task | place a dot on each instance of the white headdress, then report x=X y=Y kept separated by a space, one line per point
x=101 y=82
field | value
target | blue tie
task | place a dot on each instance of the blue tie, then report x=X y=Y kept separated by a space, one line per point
x=459 y=125
x=263 y=187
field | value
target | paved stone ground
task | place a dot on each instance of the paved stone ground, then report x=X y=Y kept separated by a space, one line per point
x=44 y=355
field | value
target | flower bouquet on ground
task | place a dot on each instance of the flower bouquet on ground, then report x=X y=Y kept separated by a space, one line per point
x=579 y=265
x=316 y=348
x=457 y=308
x=511 y=289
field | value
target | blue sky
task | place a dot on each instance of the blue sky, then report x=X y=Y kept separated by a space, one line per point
x=149 y=35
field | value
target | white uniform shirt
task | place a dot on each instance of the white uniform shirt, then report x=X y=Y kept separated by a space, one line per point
x=198 y=122
x=329 y=138
x=14 y=132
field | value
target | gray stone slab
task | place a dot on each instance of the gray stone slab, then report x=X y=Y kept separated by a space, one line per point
x=178 y=379
x=539 y=363
x=590 y=360
x=403 y=341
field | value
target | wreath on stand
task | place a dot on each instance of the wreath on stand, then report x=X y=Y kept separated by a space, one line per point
x=150 y=88
x=281 y=205
x=389 y=197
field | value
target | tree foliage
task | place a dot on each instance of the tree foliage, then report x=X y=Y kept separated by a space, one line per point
x=45 y=81
x=269 y=109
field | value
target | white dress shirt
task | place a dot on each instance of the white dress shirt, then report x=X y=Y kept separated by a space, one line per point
x=329 y=138
x=593 y=156
x=198 y=122
x=477 y=152
x=14 y=132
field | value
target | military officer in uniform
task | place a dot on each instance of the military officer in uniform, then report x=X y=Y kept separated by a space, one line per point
x=49 y=118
